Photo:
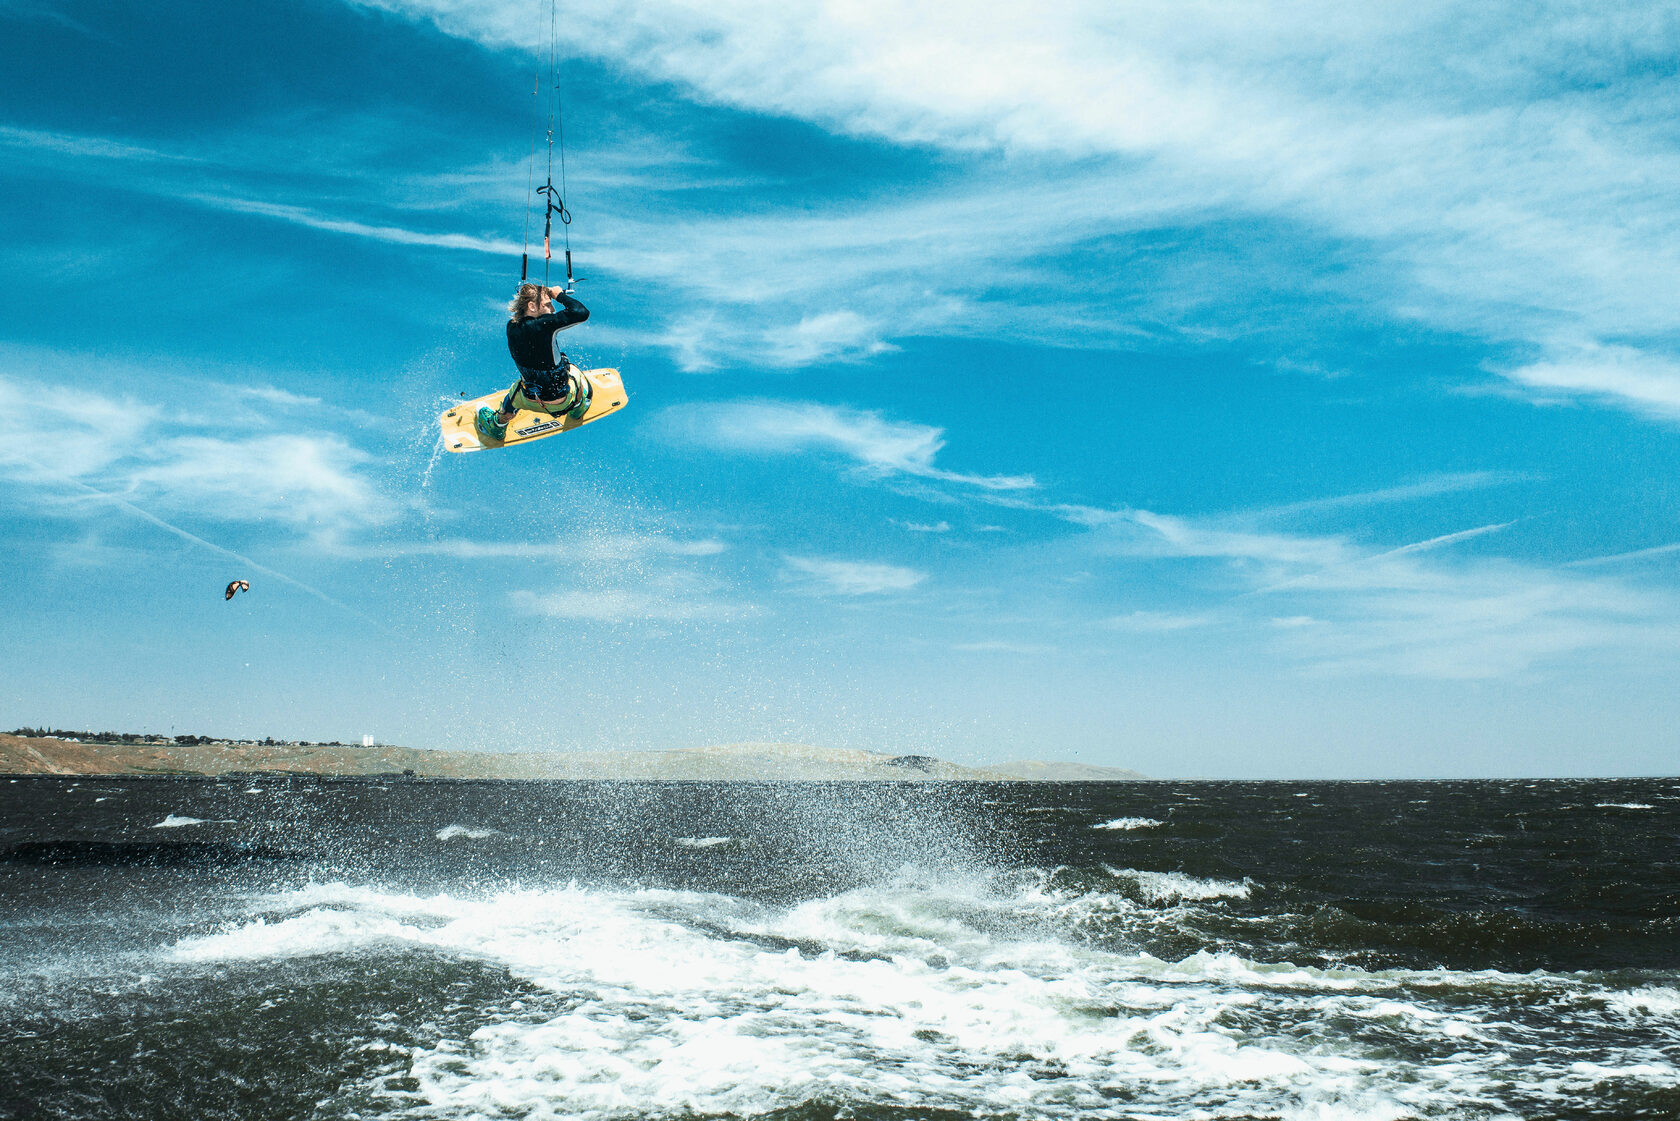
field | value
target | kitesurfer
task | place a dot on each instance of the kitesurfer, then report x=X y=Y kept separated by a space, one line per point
x=548 y=382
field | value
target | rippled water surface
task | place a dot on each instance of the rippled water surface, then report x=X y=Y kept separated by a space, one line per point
x=265 y=947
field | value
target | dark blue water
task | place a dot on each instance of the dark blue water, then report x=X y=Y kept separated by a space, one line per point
x=301 y=948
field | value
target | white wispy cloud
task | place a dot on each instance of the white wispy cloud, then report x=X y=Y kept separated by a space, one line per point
x=46 y=431
x=626 y=605
x=788 y=288
x=660 y=590
x=129 y=449
x=1486 y=179
x=826 y=336
x=850 y=578
x=580 y=546
x=89 y=147
x=328 y=190
x=1328 y=571
x=1443 y=540
x=1145 y=532
x=1651 y=553
x=248 y=564
x=80 y=458
x=1435 y=486
x=1484 y=620
x=1500 y=171
x=1002 y=646
x=1635 y=378
x=273 y=395
x=1414 y=610
x=396 y=235
x=1161 y=622
x=1334 y=603
x=874 y=444
x=305 y=480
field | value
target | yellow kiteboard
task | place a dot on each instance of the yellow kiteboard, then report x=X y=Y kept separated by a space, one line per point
x=460 y=434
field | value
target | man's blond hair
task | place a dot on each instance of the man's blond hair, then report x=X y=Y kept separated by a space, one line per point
x=520 y=309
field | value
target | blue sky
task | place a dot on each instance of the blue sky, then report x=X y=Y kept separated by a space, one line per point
x=1206 y=389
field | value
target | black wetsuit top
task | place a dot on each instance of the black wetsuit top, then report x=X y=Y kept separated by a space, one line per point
x=535 y=346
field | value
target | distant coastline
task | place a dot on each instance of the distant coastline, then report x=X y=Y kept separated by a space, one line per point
x=53 y=755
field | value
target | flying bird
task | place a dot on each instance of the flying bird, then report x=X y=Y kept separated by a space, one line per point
x=237 y=586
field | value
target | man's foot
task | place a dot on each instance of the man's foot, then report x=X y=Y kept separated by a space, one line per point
x=489 y=428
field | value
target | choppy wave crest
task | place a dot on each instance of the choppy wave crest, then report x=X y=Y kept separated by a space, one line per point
x=451 y=832
x=981 y=994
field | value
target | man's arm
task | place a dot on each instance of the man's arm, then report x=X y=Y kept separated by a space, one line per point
x=568 y=312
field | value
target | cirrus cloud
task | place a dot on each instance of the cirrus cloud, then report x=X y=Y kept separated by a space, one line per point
x=874 y=445
x=1501 y=170
x=850 y=578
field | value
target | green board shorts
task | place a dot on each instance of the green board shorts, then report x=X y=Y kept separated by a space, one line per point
x=515 y=398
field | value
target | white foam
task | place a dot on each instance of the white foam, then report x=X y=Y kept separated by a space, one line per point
x=1173 y=887
x=174 y=822
x=1129 y=823
x=1624 y=806
x=1650 y=1001
x=312 y=933
x=1595 y=1073
x=702 y=842
x=927 y=992
x=450 y=832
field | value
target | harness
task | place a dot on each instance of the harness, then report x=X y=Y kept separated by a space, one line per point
x=558 y=390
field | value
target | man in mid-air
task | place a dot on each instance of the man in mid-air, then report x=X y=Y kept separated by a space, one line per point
x=548 y=382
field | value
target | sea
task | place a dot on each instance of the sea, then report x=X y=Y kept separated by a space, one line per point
x=264 y=946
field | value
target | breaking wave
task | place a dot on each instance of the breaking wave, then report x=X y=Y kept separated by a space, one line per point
x=1129 y=823
x=983 y=994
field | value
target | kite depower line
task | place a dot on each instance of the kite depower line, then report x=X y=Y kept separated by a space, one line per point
x=553 y=197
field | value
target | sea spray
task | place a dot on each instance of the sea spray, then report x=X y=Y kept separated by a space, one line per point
x=880 y=950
